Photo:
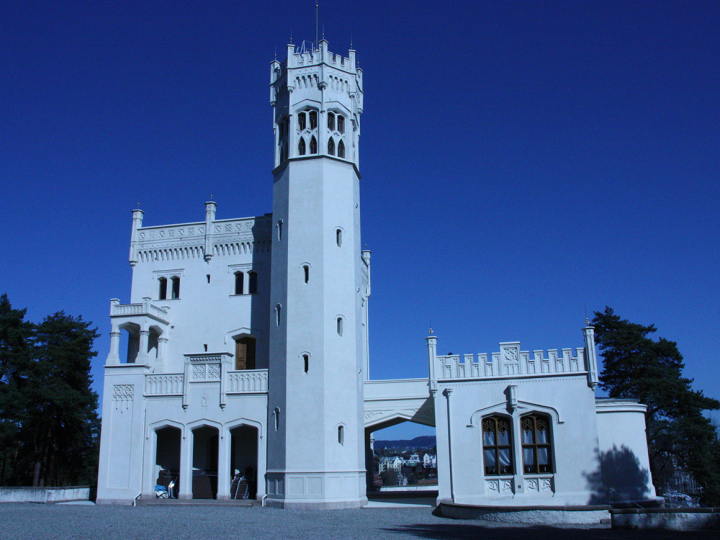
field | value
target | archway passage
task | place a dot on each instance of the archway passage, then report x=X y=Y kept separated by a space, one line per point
x=167 y=459
x=400 y=455
x=205 y=463
x=243 y=462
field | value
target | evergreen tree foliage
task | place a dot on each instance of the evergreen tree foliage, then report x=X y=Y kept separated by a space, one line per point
x=49 y=429
x=679 y=436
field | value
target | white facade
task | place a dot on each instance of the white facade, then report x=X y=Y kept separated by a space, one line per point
x=247 y=358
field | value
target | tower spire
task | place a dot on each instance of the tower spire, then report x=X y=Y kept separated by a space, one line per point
x=317 y=14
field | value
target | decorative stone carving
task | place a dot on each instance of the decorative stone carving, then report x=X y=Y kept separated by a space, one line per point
x=198 y=372
x=493 y=486
x=123 y=395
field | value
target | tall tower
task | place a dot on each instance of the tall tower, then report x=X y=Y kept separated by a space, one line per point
x=319 y=285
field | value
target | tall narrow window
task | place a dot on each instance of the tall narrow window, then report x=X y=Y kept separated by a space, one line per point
x=301 y=147
x=331 y=146
x=341 y=124
x=306 y=362
x=278 y=314
x=338 y=237
x=279 y=229
x=340 y=326
x=239 y=282
x=536 y=444
x=497 y=449
x=341 y=150
x=313 y=119
x=313 y=146
x=245 y=353
x=163 y=289
x=341 y=434
x=252 y=282
x=331 y=122
x=175 y=287
x=276 y=413
x=306 y=271
x=301 y=121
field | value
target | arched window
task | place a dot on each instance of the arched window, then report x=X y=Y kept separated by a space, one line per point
x=331 y=121
x=340 y=326
x=301 y=147
x=341 y=434
x=252 y=282
x=245 y=353
x=536 y=444
x=301 y=121
x=239 y=281
x=313 y=146
x=313 y=119
x=338 y=237
x=163 y=289
x=306 y=271
x=175 y=287
x=341 y=123
x=331 y=146
x=341 y=150
x=497 y=446
x=306 y=362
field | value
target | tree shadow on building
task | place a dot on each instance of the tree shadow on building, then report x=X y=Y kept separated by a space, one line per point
x=619 y=477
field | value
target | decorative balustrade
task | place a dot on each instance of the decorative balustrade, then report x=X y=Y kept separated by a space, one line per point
x=236 y=382
x=144 y=308
x=245 y=382
x=510 y=361
x=169 y=384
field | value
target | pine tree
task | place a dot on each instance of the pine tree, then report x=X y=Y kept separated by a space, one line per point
x=15 y=359
x=636 y=366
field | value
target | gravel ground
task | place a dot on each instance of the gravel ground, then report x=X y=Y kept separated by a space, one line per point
x=40 y=521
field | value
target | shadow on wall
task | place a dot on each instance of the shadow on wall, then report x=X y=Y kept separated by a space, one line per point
x=620 y=471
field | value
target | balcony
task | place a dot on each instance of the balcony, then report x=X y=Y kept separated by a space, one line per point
x=134 y=310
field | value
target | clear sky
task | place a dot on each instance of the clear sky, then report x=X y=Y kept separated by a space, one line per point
x=522 y=161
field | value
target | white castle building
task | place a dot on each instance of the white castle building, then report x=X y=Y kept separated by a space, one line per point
x=247 y=353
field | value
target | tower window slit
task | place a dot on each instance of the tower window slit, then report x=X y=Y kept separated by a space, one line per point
x=306 y=362
x=306 y=272
x=278 y=314
x=279 y=229
x=338 y=237
x=341 y=434
x=340 y=326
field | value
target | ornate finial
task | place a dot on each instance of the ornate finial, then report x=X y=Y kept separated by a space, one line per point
x=291 y=36
x=431 y=332
x=138 y=204
x=275 y=52
x=350 y=41
x=211 y=197
x=587 y=321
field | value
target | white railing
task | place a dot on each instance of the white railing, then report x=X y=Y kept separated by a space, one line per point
x=510 y=361
x=145 y=308
x=247 y=381
x=170 y=384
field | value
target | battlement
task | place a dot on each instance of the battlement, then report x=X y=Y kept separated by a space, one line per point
x=511 y=362
x=199 y=239
x=312 y=56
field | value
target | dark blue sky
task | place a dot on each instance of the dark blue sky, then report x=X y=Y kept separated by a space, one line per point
x=521 y=160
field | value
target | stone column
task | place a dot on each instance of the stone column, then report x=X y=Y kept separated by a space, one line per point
x=590 y=356
x=162 y=351
x=223 y=486
x=186 y=459
x=142 y=357
x=447 y=393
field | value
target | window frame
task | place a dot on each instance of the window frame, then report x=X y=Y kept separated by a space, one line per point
x=535 y=446
x=496 y=447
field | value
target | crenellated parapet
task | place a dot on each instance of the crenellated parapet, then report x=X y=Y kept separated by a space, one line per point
x=512 y=362
x=197 y=240
x=317 y=98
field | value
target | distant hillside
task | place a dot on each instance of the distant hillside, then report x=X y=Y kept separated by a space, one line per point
x=426 y=441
